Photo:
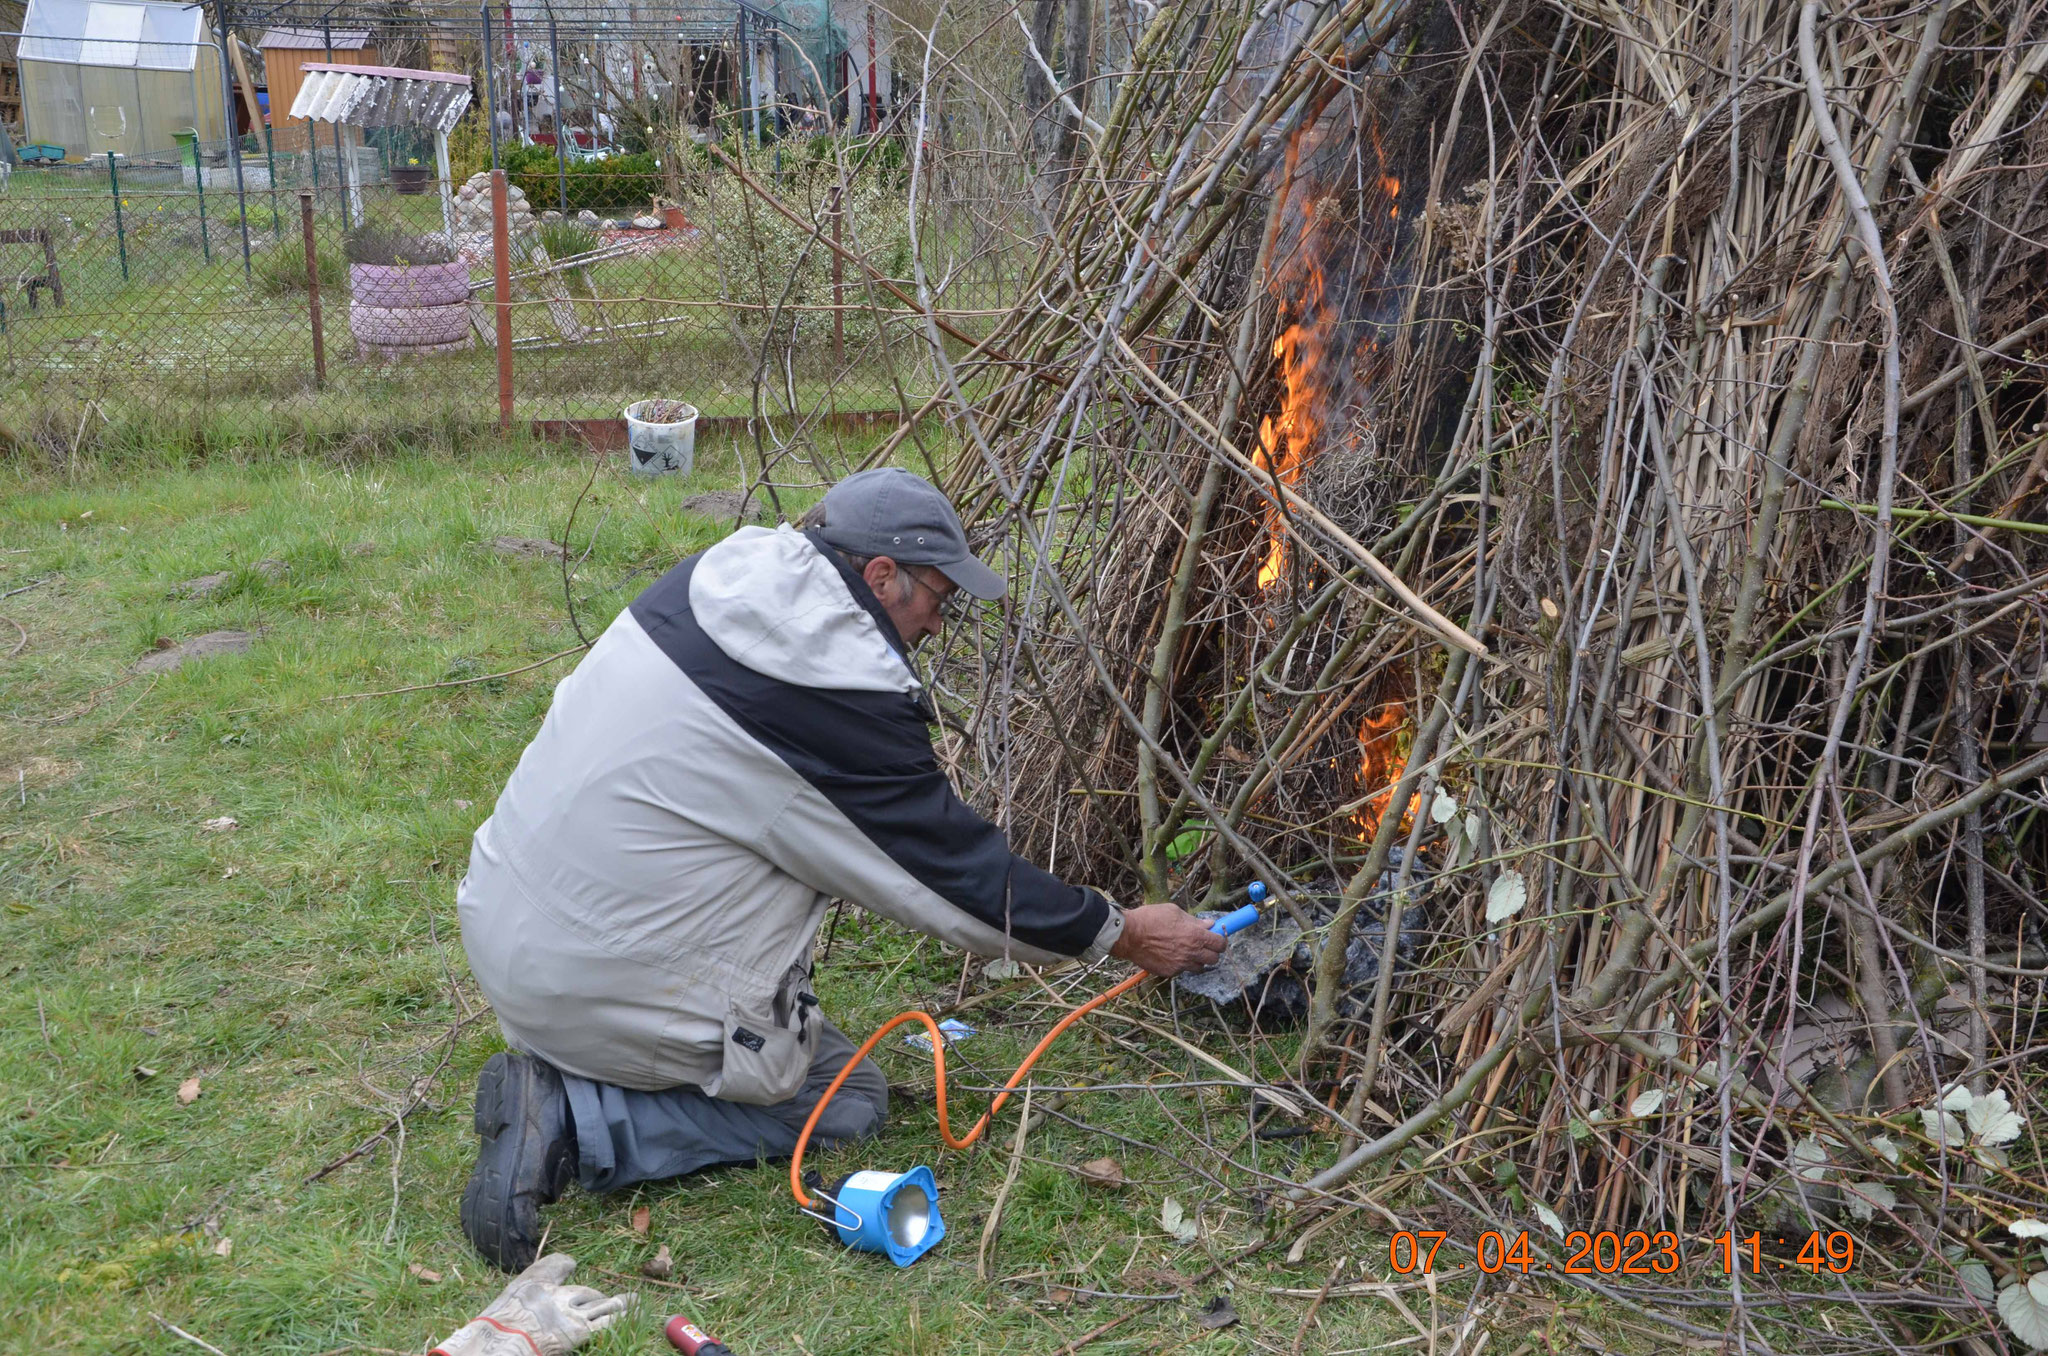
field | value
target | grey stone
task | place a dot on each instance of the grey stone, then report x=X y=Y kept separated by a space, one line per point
x=529 y=547
x=207 y=585
x=551 y=215
x=725 y=504
x=588 y=217
x=199 y=647
x=647 y=223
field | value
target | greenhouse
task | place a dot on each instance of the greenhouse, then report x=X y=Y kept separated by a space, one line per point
x=103 y=75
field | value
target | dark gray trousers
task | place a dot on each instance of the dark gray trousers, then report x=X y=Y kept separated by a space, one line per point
x=624 y=1136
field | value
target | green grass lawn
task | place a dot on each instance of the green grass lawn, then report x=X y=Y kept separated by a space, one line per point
x=305 y=968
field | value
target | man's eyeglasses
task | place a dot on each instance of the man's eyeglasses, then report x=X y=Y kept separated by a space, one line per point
x=952 y=606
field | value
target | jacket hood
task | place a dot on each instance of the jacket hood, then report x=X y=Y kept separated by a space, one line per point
x=773 y=602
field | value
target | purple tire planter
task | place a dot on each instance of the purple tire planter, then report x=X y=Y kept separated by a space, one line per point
x=408 y=327
x=402 y=285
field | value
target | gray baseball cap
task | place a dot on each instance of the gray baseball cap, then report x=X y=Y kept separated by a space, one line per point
x=888 y=511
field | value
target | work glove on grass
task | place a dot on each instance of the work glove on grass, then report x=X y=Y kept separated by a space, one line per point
x=539 y=1314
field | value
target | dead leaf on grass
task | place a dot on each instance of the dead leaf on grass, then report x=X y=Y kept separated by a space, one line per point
x=143 y=1073
x=224 y=1248
x=1217 y=1313
x=1060 y=1295
x=1176 y=1222
x=660 y=1266
x=224 y=824
x=1106 y=1173
x=188 y=1091
x=642 y=1219
x=426 y=1277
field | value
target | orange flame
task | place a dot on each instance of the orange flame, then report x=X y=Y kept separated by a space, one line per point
x=1383 y=757
x=1287 y=443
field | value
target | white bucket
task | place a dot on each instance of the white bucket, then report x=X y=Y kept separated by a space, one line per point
x=661 y=436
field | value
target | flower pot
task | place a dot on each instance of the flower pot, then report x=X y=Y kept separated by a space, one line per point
x=675 y=219
x=412 y=180
x=661 y=436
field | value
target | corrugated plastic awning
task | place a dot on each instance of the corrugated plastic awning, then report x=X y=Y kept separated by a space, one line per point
x=381 y=96
x=314 y=40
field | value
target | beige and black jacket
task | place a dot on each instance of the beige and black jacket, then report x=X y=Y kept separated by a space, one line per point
x=746 y=742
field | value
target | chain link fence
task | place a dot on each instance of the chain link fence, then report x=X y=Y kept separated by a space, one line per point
x=758 y=283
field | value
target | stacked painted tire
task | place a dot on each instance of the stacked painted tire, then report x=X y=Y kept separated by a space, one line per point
x=397 y=310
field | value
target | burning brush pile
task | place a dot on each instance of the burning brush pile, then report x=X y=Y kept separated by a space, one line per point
x=1562 y=486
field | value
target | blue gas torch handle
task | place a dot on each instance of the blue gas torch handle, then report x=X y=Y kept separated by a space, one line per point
x=1236 y=920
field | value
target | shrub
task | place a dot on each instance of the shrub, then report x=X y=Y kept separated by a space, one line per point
x=562 y=239
x=379 y=244
x=617 y=186
x=280 y=270
x=565 y=240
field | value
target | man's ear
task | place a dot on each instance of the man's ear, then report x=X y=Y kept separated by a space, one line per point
x=882 y=575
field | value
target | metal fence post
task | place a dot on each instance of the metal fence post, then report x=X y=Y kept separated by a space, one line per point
x=120 y=227
x=838 y=288
x=561 y=144
x=490 y=85
x=270 y=160
x=501 y=265
x=227 y=95
x=313 y=287
x=344 y=166
x=199 y=183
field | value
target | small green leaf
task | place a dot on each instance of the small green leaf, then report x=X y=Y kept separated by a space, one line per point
x=1867 y=1198
x=2025 y=1310
x=1993 y=1120
x=1809 y=1160
x=1976 y=1278
x=1507 y=896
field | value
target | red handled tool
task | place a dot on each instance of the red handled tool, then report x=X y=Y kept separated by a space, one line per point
x=692 y=1340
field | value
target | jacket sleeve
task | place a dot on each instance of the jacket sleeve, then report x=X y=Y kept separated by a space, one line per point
x=878 y=823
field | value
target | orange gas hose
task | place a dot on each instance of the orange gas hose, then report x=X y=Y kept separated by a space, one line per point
x=796 y=1162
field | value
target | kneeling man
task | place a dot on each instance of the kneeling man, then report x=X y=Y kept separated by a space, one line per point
x=747 y=742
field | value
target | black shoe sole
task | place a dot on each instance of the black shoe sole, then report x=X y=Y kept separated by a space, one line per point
x=519 y=1168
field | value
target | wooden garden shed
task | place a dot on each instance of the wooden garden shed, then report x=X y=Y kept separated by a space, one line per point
x=285 y=53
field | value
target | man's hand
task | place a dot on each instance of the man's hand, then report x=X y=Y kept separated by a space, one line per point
x=1165 y=940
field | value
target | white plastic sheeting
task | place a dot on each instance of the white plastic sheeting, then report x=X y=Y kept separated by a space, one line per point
x=151 y=37
x=381 y=96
